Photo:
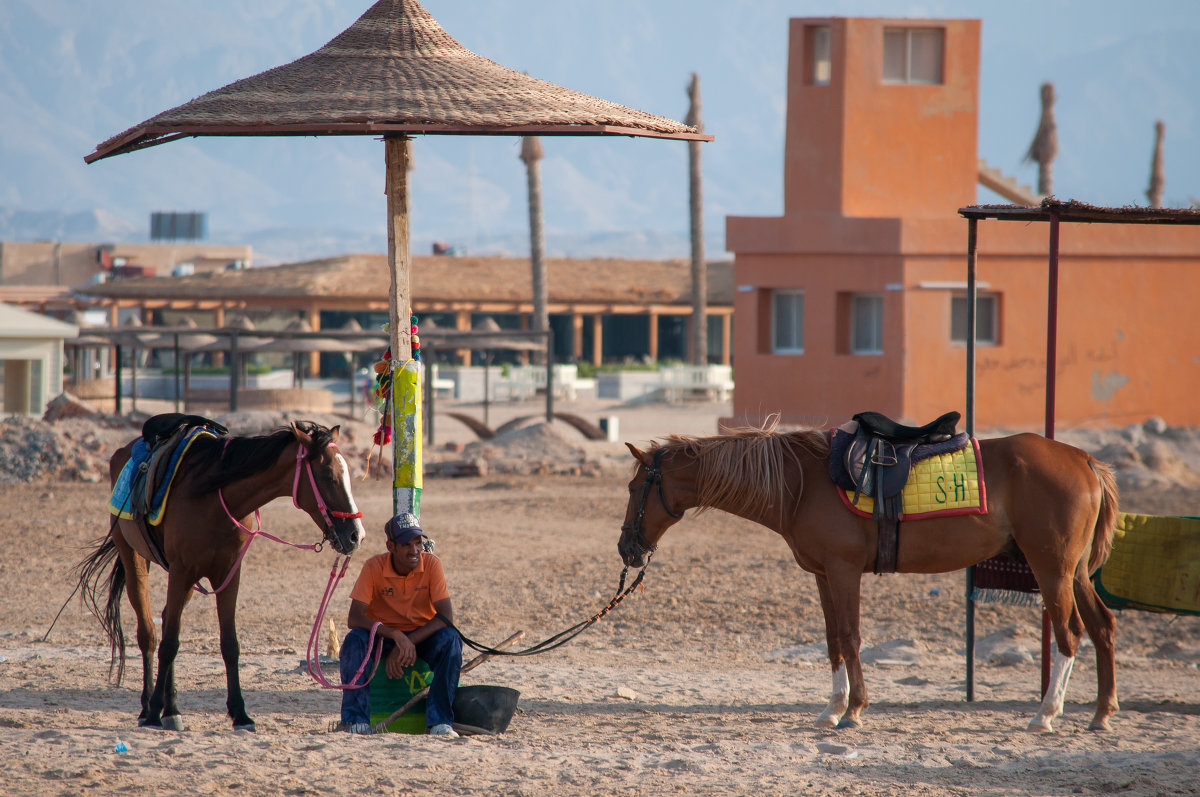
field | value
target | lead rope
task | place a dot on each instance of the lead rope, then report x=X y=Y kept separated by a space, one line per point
x=562 y=637
x=313 y=661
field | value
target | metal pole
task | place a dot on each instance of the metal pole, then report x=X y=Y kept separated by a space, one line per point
x=234 y=368
x=118 y=379
x=487 y=390
x=1051 y=378
x=972 y=254
x=549 y=375
x=176 y=364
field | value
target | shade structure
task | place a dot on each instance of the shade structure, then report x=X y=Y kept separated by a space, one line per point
x=395 y=72
x=184 y=341
x=307 y=343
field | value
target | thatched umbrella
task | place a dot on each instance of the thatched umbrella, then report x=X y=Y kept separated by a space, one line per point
x=393 y=73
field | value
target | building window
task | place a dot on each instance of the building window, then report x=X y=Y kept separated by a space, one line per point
x=987 y=315
x=913 y=55
x=819 y=64
x=787 y=322
x=866 y=324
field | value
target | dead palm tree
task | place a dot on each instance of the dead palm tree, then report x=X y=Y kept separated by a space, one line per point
x=1157 y=178
x=1044 y=147
x=531 y=153
x=696 y=208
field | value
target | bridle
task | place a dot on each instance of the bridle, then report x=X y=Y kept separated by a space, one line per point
x=654 y=475
x=302 y=463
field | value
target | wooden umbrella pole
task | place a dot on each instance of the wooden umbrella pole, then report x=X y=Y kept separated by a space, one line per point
x=405 y=446
x=380 y=727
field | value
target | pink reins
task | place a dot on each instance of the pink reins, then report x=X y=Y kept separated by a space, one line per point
x=301 y=463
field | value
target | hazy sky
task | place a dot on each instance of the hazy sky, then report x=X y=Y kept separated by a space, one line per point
x=91 y=70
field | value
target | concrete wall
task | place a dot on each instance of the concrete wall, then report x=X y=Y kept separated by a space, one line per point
x=874 y=175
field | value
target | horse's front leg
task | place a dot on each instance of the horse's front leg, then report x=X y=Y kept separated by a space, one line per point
x=839 y=696
x=844 y=584
x=231 y=653
x=163 y=711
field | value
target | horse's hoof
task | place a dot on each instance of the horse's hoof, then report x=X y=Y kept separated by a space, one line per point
x=1100 y=726
x=826 y=722
x=1040 y=725
x=849 y=723
x=174 y=722
x=246 y=726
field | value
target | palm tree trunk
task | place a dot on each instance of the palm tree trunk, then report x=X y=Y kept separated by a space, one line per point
x=696 y=208
x=531 y=153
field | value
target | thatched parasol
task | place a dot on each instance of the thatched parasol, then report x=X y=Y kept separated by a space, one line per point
x=395 y=72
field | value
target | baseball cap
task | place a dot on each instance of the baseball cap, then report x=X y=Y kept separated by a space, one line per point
x=403 y=528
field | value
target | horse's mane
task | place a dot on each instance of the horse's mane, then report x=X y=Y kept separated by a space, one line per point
x=227 y=462
x=744 y=470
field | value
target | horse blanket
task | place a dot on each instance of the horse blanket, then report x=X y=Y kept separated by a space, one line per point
x=1154 y=565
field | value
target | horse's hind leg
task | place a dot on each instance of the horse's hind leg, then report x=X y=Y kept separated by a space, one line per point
x=231 y=652
x=1101 y=627
x=137 y=589
x=1057 y=593
x=839 y=696
x=163 y=711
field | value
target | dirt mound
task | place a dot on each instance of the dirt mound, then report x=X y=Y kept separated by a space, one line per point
x=537 y=449
x=78 y=448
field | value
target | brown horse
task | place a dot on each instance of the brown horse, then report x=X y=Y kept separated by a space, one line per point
x=203 y=533
x=1051 y=502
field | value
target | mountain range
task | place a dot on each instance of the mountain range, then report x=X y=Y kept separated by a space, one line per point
x=73 y=74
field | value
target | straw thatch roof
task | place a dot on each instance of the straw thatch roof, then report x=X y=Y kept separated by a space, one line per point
x=436 y=278
x=395 y=70
x=1075 y=211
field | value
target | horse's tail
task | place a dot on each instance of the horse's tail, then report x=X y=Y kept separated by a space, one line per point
x=1106 y=521
x=103 y=572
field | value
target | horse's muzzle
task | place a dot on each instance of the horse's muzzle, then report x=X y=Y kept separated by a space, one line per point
x=633 y=551
x=345 y=535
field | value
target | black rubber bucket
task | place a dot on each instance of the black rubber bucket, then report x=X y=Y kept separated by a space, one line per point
x=486 y=709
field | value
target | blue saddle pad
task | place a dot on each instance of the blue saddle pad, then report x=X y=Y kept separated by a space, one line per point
x=121 y=503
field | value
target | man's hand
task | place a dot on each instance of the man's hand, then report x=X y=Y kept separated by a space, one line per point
x=403 y=655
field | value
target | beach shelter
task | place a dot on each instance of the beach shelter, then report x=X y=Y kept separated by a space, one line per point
x=394 y=73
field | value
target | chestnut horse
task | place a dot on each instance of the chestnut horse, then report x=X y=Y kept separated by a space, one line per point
x=1052 y=502
x=220 y=485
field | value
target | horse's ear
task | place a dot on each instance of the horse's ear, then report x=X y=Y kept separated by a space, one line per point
x=640 y=456
x=333 y=434
x=304 y=437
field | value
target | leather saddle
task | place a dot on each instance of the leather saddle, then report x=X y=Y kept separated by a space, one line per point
x=878 y=460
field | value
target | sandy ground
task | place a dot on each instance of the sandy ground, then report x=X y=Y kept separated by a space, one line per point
x=707 y=682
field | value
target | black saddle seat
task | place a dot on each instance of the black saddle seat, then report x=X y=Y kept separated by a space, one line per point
x=159 y=428
x=878 y=425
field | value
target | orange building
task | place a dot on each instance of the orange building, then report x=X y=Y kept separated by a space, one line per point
x=855 y=298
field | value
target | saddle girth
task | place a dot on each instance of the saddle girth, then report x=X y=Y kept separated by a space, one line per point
x=878 y=461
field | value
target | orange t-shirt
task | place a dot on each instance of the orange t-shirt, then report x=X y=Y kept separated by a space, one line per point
x=401 y=602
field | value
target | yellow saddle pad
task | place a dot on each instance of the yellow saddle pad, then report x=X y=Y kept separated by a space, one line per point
x=946 y=484
x=1154 y=565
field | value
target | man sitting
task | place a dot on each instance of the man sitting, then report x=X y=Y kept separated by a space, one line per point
x=404 y=590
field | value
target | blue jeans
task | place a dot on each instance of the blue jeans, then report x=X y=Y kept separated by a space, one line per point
x=442 y=651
